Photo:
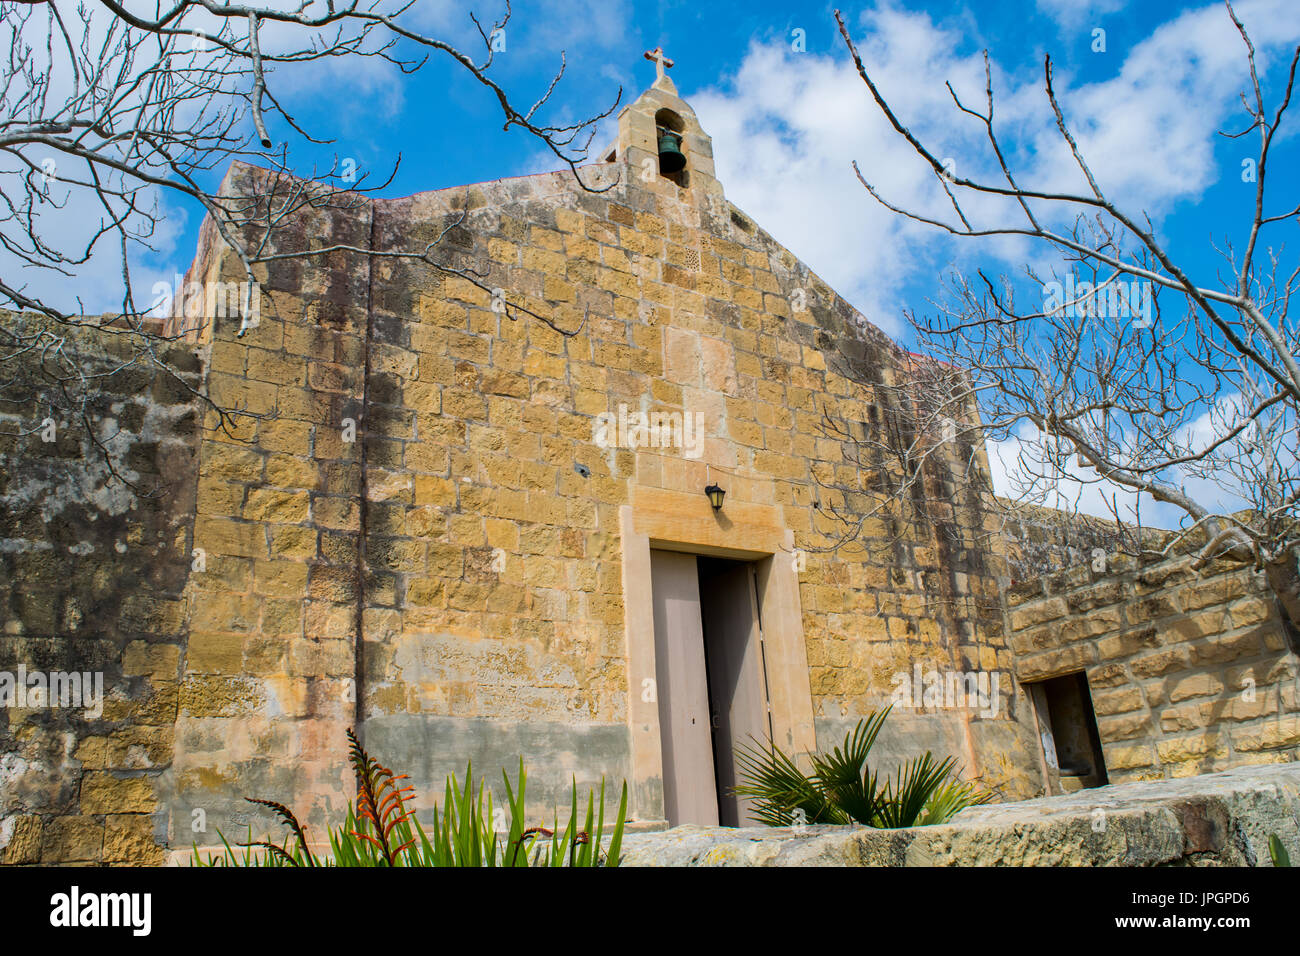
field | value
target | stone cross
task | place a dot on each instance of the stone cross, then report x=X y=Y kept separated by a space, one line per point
x=661 y=61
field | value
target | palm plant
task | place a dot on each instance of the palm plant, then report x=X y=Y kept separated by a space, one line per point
x=381 y=831
x=842 y=788
x=1277 y=852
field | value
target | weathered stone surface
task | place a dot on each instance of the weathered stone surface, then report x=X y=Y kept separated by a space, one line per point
x=490 y=621
x=1172 y=652
x=1222 y=819
x=414 y=530
x=92 y=579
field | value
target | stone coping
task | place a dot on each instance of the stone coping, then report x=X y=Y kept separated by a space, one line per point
x=1222 y=819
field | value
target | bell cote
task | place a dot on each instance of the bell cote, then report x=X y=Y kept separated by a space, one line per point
x=662 y=144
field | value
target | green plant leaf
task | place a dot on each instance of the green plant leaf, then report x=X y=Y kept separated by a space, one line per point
x=842 y=788
x=1277 y=852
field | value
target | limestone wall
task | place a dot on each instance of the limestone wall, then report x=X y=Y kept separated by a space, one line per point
x=267 y=687
x=410 y=526
x=492 y=621
x=92 y=578
x=1189 y=672
x=1042 y=541
x=416 y=525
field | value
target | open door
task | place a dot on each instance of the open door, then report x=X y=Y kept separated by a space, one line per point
x=733 y=649
x=710 y=681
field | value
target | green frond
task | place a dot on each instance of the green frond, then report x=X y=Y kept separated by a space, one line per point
x=841 y=787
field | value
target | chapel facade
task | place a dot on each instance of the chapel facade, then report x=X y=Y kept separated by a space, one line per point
x=543 y=572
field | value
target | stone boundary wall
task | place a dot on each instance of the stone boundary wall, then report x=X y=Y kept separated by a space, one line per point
x=1190 y=672
x=1222 y=819
x=1041 y=540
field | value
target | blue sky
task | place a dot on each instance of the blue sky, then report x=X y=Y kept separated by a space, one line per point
x=787 y=124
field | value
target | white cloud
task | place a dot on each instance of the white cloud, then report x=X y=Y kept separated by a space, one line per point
x=1070 y=14
x=1016 y=466
x=1018 y=473
x=786 y=126
x=785 y=131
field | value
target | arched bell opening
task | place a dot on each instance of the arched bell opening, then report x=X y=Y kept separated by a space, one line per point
x=670 y=143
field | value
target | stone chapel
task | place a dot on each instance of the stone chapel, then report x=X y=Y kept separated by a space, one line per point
x=572 y=498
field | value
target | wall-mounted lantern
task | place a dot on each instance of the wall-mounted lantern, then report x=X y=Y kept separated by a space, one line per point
x=716 y=495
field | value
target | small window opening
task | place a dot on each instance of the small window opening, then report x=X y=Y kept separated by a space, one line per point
x=1070 y=737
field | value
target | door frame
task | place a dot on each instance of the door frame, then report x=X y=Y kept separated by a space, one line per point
x=676 y=521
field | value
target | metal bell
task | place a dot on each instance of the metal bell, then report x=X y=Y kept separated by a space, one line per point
x=671 y=159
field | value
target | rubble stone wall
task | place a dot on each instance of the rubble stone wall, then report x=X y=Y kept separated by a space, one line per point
x=95 y=534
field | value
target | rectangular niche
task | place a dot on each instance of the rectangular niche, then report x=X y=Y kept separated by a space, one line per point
x=1068 y=726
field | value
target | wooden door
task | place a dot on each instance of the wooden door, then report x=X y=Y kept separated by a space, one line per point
x=690 y=793
x=737 y=684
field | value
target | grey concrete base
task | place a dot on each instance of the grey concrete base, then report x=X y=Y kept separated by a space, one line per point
x=1222 y=819
x=556 y=755
x=429 y=749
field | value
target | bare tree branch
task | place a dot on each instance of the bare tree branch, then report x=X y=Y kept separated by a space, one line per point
x=1123 y=373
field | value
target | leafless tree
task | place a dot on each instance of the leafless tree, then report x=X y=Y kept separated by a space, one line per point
x=107 y=111
x=1118 y=368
